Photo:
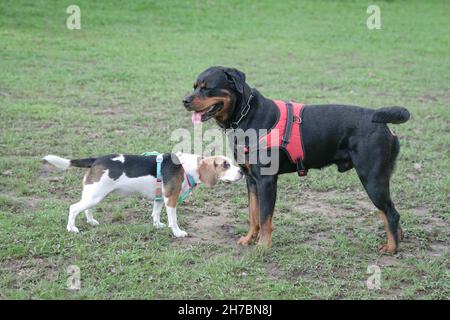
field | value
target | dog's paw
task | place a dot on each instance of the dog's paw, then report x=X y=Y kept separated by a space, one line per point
x=179 y=233
x=245 y=241
x=72 y=229
x=93 y=222
x=387 y=249
x=159 y=225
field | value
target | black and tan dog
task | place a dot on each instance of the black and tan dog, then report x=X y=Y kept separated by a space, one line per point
x=348 y=136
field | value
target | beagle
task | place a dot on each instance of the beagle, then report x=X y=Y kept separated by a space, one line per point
x=137 y=174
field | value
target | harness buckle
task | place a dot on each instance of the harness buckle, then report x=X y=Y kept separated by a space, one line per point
x=234 y=125
x=297 y=119
x=301 y=170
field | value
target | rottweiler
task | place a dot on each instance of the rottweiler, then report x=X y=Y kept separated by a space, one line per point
x=344 y=135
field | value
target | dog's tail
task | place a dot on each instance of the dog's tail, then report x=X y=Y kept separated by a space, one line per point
x=391 y=115
x=64 y=164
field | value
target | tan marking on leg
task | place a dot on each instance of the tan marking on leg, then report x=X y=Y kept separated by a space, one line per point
x=390 y=247
x=172 y=188
x=266 y=233
x=253 y=214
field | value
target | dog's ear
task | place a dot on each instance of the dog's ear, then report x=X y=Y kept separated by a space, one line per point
x=176 y=158
x=207 y=174
x=237 y=77
x=218 y=161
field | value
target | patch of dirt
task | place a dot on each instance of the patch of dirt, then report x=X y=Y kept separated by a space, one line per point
x=315 y=239
x=48 y=172
x=328 y=204
x=434 y=224
x=273 y=271
x=386 y=260
x=220 y=229
x=33 y=269
x=421 y=211
x=19 y=203
x=427 y=98
x=436 y=230
x=438 y=249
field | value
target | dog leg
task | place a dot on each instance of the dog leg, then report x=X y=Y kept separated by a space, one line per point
x=172 y=189
x=392 y=244
x=156 y=214
x=173 y=223
x=267 y=195
x=92 y=194
x=374 y=171
x=253 y=213
x=90 y=218
x=75 y=209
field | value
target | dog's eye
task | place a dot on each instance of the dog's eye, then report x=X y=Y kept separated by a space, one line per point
x=226 y=165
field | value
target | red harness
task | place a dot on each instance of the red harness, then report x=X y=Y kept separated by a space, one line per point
x=289 y=133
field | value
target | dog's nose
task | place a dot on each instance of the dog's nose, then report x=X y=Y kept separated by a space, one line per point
x=187 y=101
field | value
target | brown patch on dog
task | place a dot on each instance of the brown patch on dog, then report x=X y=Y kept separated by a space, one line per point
x=210 y=169
x=391 y=246
x=266 y=233
x=224 y=113
x=94 y=174
x=253 y=215
x=172 y=188
x=202 y=103
x=207 y=173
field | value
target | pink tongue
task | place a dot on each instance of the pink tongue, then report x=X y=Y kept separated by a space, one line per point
x=197 y=117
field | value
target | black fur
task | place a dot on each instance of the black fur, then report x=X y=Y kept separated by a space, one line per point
x=347 y=136
x=134 y=166
x=82 y=163
x=391 y=115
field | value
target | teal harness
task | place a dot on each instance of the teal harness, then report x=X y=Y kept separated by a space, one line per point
x=158 y=192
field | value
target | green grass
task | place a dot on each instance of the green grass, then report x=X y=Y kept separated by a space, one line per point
x=116 y=86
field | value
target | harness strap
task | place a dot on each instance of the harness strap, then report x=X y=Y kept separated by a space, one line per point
x=158 y=190
x=290 y=138
x=288 y=128
x=191 y=185
x=301 y=170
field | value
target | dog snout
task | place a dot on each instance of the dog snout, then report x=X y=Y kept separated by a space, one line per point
x=187 y=101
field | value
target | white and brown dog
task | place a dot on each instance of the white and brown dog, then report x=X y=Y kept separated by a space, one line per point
x=136 y=174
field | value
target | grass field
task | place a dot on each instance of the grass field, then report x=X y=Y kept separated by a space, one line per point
x=116 y=86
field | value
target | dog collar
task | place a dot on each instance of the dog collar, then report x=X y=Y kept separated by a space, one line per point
x=235 y=124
